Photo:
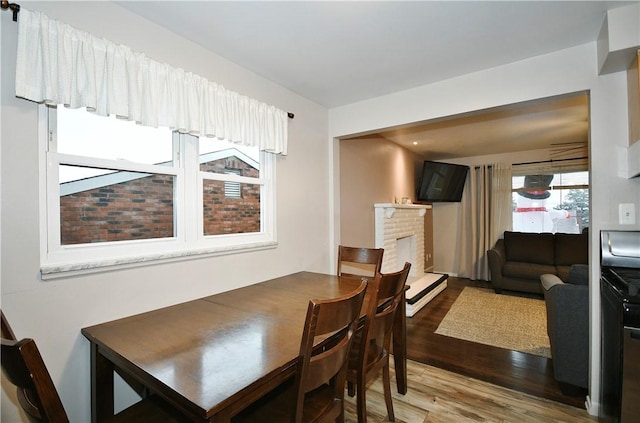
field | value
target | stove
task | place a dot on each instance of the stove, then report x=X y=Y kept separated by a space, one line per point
x=620 y=260
x=620 y=326
x=625 y=280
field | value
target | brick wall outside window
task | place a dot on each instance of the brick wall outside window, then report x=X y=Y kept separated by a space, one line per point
x=143 y=208
x=138 y=209
x=225 y=215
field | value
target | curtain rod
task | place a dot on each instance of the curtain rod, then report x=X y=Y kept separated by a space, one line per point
x=549 y=161
x=543 y=161
x=15 y=8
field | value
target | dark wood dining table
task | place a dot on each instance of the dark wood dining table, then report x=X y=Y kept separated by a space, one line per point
x=213 y=356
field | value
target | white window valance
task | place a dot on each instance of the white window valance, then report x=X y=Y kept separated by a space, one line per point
x=58 y=64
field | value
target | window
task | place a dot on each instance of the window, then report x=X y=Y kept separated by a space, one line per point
x=113 y=189
x=551 y=202
x=231 y=188
x=116 y=180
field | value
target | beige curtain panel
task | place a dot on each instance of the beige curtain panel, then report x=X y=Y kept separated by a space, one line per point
x=486 y=214
x=58 y=64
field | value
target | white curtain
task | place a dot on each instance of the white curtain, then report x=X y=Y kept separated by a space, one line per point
x=502 y=201
x=486 y=214
x=58 y=64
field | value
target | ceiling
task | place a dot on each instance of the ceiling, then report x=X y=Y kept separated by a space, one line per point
x=559 y=124
x=338 y=52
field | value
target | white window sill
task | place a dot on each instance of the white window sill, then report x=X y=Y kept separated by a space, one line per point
x=57 y=271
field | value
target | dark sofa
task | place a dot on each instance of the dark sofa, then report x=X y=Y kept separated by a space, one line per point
x=517 y=261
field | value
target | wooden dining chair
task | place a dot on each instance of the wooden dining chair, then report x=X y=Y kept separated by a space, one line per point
x=370 y=351
x=24 y=367
x=316 y=394
x=359 y=261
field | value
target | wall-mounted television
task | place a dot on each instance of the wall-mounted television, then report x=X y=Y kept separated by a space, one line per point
x=441 y=182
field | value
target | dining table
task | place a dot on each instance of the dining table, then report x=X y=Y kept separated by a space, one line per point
x=211 y=357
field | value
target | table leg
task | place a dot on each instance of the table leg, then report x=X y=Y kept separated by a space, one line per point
x=101 y=386
x=400 y=346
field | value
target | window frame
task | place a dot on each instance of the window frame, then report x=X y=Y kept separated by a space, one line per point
x=59 y=260
x=574 y=166
x=267 y=207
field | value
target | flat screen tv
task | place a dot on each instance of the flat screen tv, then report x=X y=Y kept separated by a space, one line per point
x=441 y=182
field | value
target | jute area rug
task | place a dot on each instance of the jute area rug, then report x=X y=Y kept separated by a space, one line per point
x=504 y=321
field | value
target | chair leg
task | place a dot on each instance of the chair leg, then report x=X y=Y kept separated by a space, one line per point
x=340 y=418
x=361 y=399
x=351 y=389
x=386 y=381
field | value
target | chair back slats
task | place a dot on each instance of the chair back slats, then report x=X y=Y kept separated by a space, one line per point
x=337 y=319
x=371 y=353
x=359 y=261
x=331 y=317
x=7 y=332
x=23 y=366
x=382 y=311
x=325 y=365
x=382 y=328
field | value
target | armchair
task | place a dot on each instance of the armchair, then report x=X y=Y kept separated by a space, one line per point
x=568 y=324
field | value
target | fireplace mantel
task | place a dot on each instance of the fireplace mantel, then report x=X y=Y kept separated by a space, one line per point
x=390 y=208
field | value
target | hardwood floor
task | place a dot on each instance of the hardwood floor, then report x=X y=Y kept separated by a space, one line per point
x=511 y=369
x=456 y=381
x=440 y=396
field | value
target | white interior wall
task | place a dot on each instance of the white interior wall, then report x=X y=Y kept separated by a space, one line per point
x=53 y=312
x=561 y=72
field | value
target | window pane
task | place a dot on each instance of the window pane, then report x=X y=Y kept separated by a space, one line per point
x=220 y=156
x=575 y=202
x=230 y=215
x=116 y=206
x=563 y=208
x=83 y=133
x=68 y=174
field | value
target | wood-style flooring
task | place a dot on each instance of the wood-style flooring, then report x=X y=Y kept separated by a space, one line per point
x=457 y=381
x=440 y=396
x=523 y=372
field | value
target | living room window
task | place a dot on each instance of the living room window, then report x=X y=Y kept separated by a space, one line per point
x=112 y=188
x=551 y=202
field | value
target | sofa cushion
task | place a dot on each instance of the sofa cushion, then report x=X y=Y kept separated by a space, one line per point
x=523 y=270
x=571 y=249
x=529 y=247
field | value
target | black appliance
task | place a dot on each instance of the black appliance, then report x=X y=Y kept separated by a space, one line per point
x=620 y=326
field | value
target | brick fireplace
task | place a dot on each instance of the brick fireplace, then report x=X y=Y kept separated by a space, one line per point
x=399 y=229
